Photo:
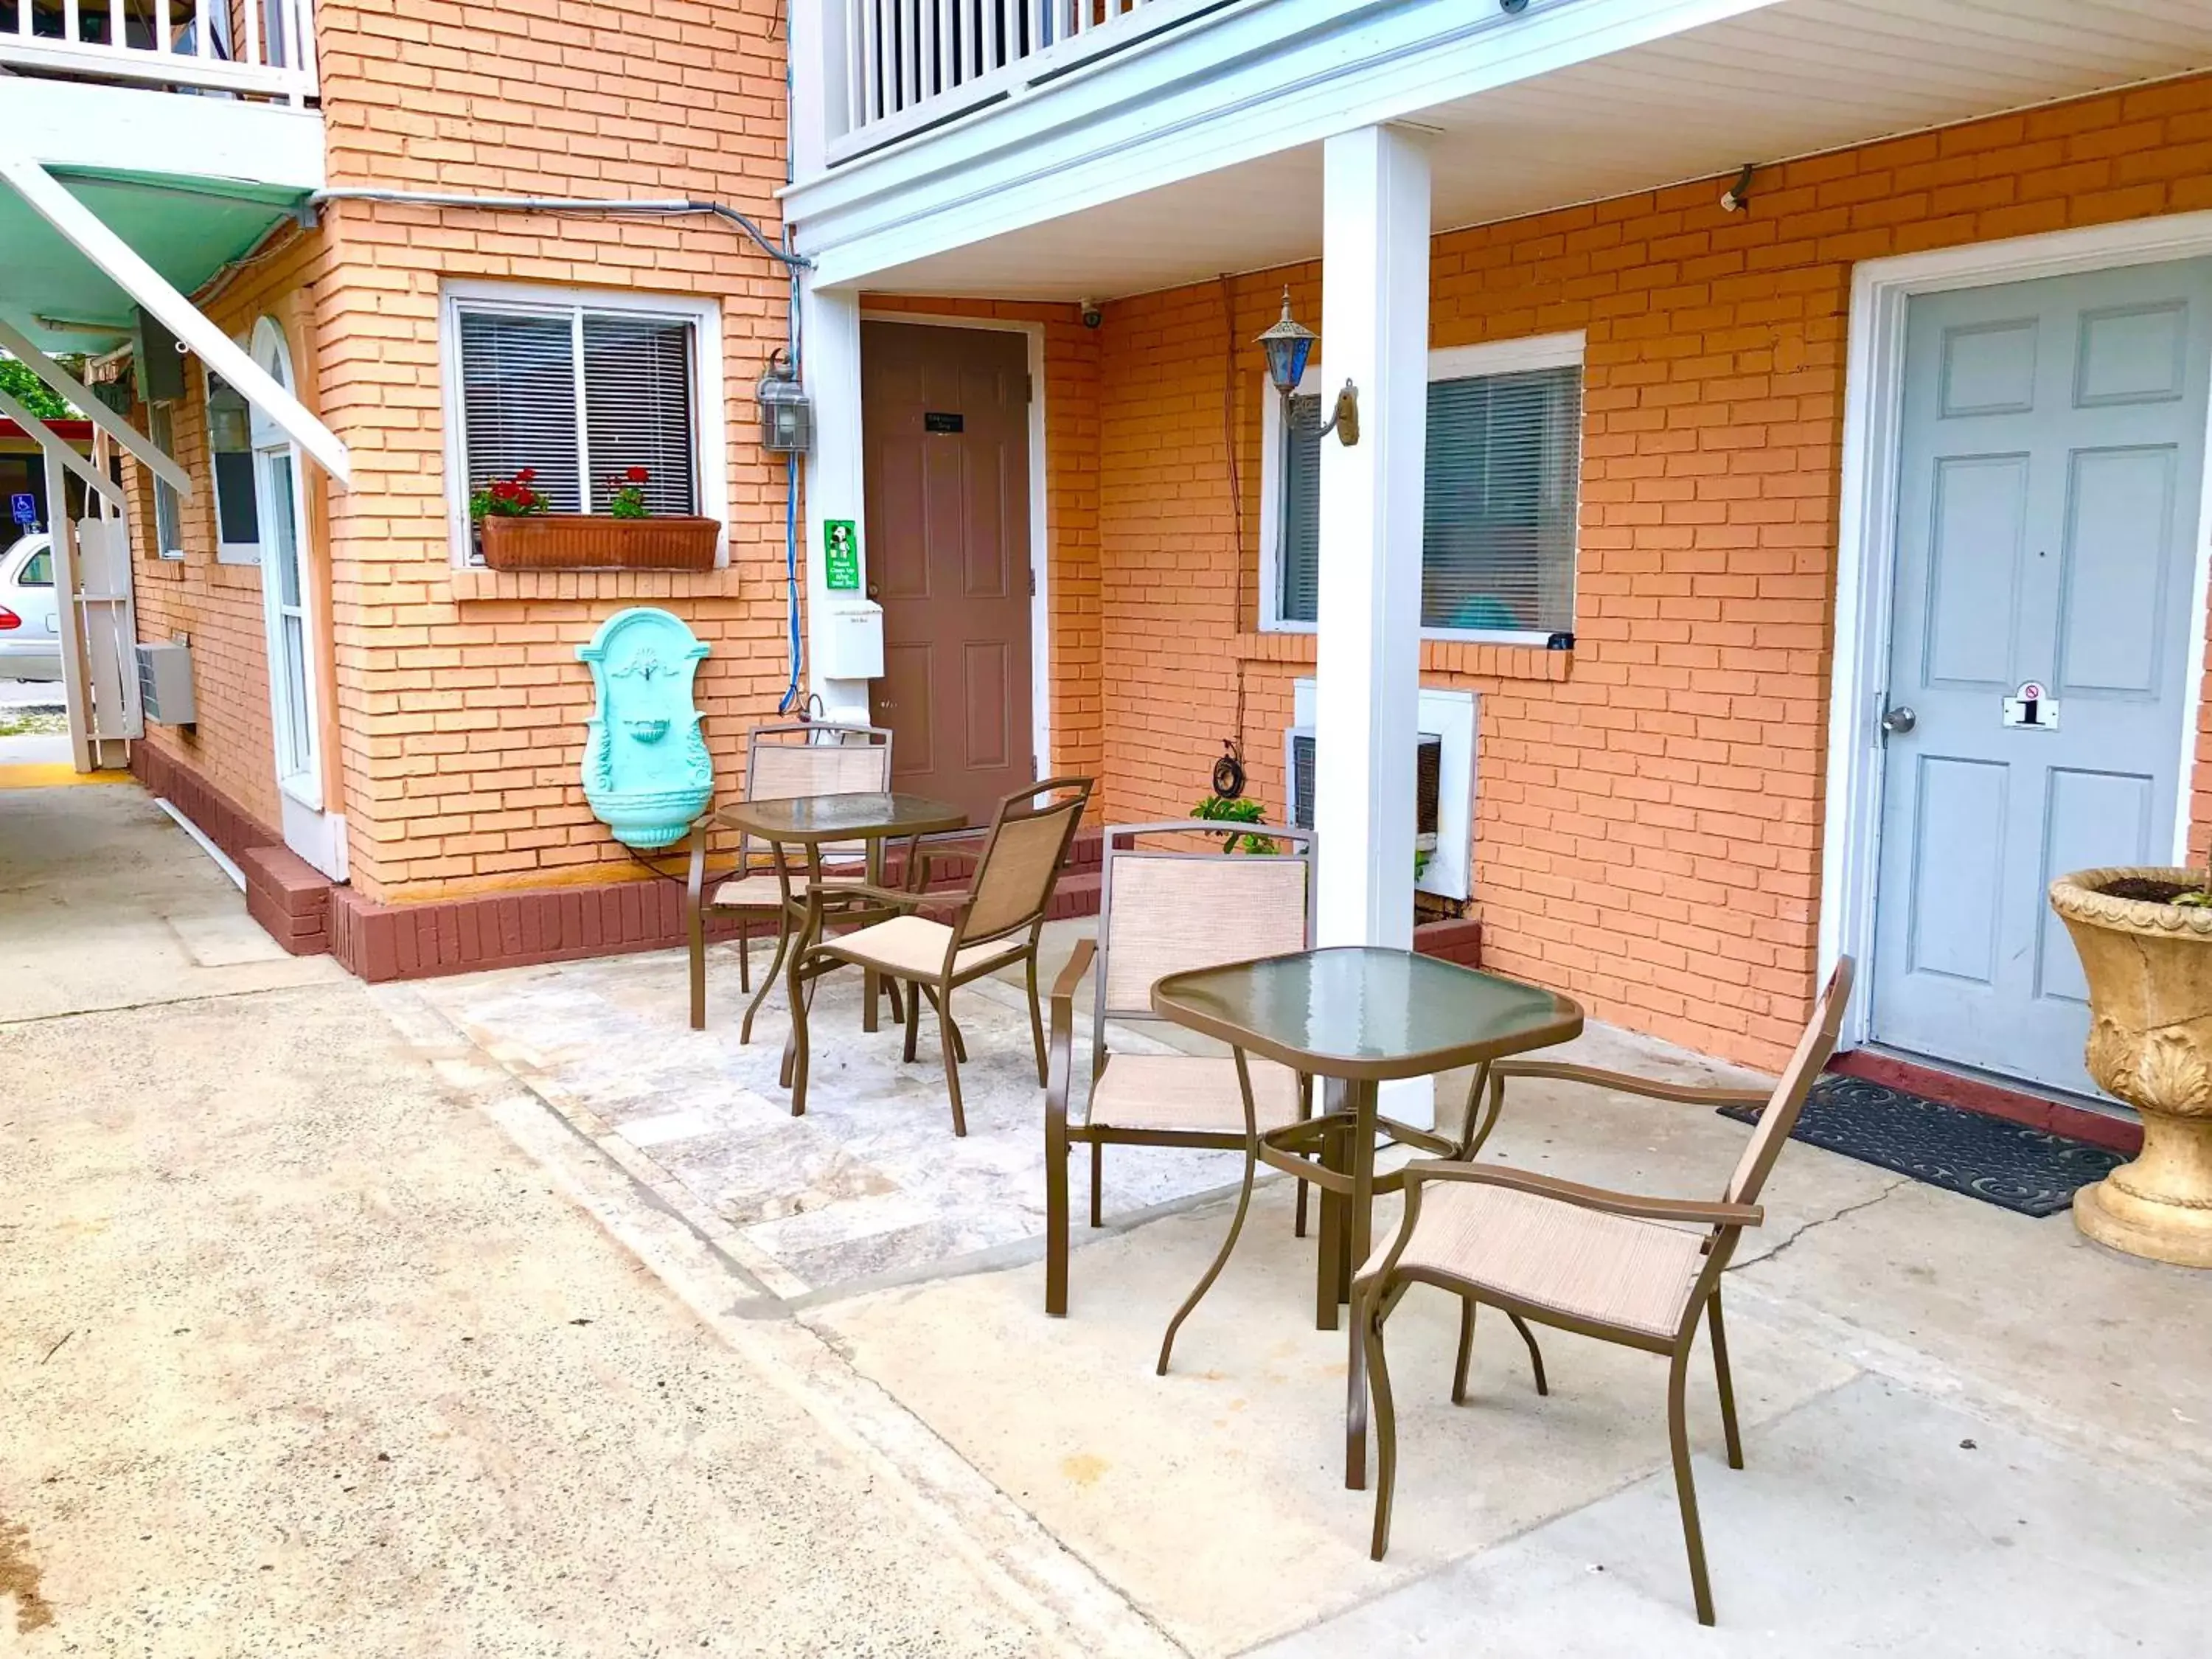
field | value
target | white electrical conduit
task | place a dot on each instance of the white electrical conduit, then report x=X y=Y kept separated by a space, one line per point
x=563 y=205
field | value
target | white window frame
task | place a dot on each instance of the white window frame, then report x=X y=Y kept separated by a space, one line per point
x=164 y=416
x=1533 y=351
x=710 y=460
x=227 y=552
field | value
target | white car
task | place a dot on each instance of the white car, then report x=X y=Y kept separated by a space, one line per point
x=30 y=619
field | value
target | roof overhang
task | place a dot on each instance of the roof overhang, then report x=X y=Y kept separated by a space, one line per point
x=1179 y=182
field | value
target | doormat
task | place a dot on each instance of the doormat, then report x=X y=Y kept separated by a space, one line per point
x=2027 y=1170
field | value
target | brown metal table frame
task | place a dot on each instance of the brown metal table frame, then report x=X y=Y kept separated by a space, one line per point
x=1343 y=1137
x=745 y=815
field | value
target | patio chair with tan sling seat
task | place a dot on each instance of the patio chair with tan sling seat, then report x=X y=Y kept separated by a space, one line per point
x=1638 y=1271
x=995 y=924
x=783 y=762
x=1163 y=909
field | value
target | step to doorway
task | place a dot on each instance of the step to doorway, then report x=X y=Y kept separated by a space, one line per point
x=1978 y=1093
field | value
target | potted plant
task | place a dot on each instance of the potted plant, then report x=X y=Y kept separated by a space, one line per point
x=1223 y=809
x=2144 y=936
x=517 y=530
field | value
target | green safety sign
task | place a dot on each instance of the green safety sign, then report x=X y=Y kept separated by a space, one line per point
x=842 y=556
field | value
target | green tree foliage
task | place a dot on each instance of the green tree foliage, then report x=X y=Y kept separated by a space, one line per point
x=28 y=390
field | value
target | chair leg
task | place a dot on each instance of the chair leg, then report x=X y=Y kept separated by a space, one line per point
x=948 y=1039
x=745 y=953
x=1036 y=1022
x=768 y=979
x=913 y=1019
x=1298 y=1215
x=1372 y=1315
x=898 y=1001
x=1097 y=1181
x=1686 y=1493
x=1467 y=1306
x=801 y=996
x=1221 y=1261
x=1727 y=1384
x=1055 y=1211
x=1535 y=1354
x=694 y=931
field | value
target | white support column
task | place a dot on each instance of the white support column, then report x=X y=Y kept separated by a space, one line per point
x=76 y=697
x=1374 y=332
x=829 y=344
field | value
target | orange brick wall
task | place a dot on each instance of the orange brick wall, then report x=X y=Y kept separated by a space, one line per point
x=216 y=606
x=459 y=701
x=1649 y=822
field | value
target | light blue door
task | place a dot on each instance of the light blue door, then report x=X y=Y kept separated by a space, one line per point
x=2051 y=457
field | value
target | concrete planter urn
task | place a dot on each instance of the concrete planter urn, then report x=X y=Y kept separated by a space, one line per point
x=2150 y=968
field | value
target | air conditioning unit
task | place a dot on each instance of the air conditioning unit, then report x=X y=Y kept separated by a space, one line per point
x=1428 y=777
x=1443 y=788
x=165 y=682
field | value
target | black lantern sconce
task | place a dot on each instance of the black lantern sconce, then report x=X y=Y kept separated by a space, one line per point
x=1288 y=344
x=786 y=413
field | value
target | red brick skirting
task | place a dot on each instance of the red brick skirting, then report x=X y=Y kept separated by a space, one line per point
x=290 y=897
x=283 y=892
x=1453 y=939
x=513 y=930
x=218 y=816
x=1972 y=1095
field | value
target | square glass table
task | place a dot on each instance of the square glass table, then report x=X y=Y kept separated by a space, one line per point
x=814 y=822
x=1360 y=1016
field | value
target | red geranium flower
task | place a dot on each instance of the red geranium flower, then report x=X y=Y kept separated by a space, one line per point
x=637 y=475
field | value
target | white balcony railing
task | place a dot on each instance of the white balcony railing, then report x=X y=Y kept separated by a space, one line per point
x=248 y=48
x=912 y=64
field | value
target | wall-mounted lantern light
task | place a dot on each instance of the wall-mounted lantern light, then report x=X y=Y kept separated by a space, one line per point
x=1288 y=344
x=787 y=412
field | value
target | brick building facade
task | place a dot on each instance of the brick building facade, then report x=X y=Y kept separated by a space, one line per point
x=1649 y=813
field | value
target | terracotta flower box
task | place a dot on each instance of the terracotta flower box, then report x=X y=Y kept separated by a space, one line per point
x=594 y=541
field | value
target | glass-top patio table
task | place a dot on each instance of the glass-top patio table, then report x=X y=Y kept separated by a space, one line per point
x=814 y=821
x=1359 y=1016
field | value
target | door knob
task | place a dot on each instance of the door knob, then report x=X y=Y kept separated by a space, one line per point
x=1899 y=720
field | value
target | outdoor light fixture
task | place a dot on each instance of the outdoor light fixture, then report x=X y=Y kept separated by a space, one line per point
x=1288 y=344
x=786 y=413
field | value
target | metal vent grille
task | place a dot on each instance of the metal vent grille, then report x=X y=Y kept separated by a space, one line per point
x=1428 y=776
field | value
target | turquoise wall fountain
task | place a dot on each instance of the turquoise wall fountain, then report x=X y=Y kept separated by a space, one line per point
x=647 y=773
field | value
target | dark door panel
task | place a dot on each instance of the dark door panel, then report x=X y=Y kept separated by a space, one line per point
x=945 y=413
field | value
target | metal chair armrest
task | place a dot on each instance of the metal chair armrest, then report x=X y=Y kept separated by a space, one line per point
x=1079 y=964
x=1626 y=1083
x=890 y=897
x=1702 y=1212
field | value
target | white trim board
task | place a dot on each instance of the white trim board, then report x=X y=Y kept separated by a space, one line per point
x=1530 y=351
x=1040 y=554
x=1851 y=832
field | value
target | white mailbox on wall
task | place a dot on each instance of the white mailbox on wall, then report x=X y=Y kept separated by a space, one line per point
x=852 y=643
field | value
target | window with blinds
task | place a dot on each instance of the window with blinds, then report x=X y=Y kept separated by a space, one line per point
x=579 y=396
x=1497 y=552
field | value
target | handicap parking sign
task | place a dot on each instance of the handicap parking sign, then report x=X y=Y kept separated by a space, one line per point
x=26 y=508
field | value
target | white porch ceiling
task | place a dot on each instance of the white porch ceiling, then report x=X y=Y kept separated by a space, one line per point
x=1792 y=79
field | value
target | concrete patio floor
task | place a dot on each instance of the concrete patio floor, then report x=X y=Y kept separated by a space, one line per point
x=504 y=1316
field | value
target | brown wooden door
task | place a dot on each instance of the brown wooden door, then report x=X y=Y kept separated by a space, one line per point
x=944 y=417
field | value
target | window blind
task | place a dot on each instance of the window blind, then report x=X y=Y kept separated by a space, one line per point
x=1500 y=488
x=1298 y=569
x=519 y=403
x=637 y=398
x=1498 y=546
